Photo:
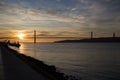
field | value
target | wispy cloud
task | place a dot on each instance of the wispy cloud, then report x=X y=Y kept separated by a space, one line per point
x=60 y=17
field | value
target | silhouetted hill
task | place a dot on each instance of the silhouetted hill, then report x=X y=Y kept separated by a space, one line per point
x=105 y=39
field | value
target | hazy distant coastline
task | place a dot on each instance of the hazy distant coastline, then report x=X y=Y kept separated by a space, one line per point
x=101 y=39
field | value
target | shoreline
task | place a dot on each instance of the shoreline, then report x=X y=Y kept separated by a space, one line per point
x=42 y=68
x=93 y=40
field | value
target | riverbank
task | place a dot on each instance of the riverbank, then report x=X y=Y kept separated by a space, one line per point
x=16 y=69
x=93 y=40
x=47 y=70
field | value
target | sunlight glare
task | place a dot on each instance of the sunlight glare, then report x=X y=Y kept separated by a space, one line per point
x=21 y=36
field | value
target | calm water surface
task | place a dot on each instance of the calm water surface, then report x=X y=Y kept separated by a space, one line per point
x=91 y=61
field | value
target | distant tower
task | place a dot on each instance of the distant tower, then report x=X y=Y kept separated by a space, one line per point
x=91 y=35
x=34 y=36
x=113 y=35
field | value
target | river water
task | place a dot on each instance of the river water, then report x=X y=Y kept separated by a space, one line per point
x=90 y=61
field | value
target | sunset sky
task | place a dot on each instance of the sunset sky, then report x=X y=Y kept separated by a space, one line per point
x=58 y=19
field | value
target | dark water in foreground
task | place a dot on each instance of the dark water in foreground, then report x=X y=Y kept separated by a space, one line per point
x=91 y=61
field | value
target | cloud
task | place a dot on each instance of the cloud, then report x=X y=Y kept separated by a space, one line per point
x=59 y=34
x=82 y=16
x=84 y=1
x=20 y=16
x=11 y=14
x=58 y=0
x=97 y=8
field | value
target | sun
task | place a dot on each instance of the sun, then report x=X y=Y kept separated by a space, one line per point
x=21 y=36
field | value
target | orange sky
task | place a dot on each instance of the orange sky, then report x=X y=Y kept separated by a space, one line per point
x=46 y=36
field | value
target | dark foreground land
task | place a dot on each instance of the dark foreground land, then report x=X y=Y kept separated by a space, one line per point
x=106 y=39
x=16 y=66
